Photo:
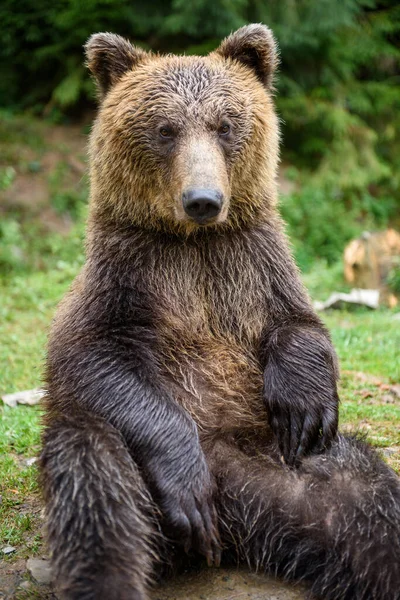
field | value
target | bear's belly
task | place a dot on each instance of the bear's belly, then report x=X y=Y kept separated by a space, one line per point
x=218 y=383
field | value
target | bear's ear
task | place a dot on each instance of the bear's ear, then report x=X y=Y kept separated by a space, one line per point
x=108 y=57
x=253 y=46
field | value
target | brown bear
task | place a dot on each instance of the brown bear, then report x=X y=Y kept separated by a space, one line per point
x=191 y=388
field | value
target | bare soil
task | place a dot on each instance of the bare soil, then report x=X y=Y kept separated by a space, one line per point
x=51 y=161
x=207 y=584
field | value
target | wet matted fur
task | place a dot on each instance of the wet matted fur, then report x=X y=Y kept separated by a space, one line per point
x=191 y=386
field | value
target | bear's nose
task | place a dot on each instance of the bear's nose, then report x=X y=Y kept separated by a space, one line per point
x=202 y=205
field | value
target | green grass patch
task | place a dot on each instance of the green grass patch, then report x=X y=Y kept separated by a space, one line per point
x=19 y=132
x=27 y=306
x=323 y=279
x=20 y=504
x=367 y=341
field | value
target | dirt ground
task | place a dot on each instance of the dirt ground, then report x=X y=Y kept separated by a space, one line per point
x=16 y=583
x=227 y=584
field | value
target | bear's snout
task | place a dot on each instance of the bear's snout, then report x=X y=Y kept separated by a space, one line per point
x=202 y=205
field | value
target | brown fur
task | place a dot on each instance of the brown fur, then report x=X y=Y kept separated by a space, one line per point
x=197 y=348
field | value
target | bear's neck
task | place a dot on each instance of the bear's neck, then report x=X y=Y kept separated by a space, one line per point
x=105 y=236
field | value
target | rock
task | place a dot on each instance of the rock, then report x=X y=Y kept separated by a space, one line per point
x=387 y=399
x=30 y=397
x=40 y=570
x=204 y=584
x=369 y=298
x=395 y=389
x=25 y=585
x=388 y=452
x=8 y=550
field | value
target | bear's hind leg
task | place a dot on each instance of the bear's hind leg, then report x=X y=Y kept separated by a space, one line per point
x=333 y=522
x=101 y=525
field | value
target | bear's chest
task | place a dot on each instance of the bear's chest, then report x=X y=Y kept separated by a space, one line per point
x=214 y=292
x=200 y=304
x=209 y=322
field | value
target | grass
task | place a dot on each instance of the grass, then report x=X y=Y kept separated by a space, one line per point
x=28 y=301
x=26 y=311
x=367 y=341
x=368 y=346
x=20 y=506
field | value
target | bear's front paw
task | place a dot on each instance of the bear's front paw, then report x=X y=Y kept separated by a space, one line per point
x=300 y=391
x=300 y=429
x=302 y=411
x=190 y=517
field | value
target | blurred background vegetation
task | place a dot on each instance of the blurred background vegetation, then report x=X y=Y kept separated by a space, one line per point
x=337 y=95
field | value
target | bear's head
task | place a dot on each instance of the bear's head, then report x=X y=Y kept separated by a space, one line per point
x=185 y=142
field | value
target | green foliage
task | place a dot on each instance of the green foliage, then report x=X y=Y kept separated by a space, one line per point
x=324 y=279
x=394 y=277
x=7 y=176
x=318 y=224
x=12 y=246
x=24 y=249
x=67 y=200
x=339 y=98
x=322 y=217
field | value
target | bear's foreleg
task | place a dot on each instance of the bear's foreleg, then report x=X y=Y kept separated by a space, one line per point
x=102 y=362
x=102 y=526
x=300 y=391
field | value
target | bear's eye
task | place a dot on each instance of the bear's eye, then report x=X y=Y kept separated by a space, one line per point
x=224 y=129
x=166 y=132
